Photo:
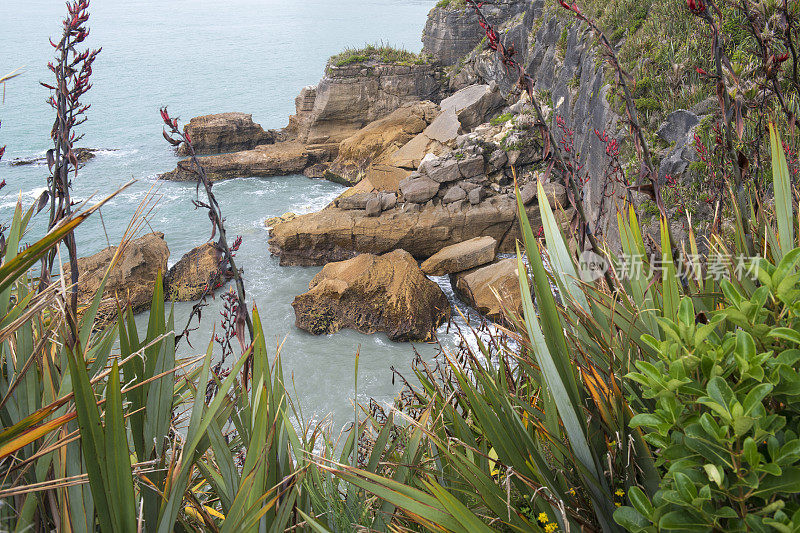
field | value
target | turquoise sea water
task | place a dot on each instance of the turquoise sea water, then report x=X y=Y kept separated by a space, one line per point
x=201 y=57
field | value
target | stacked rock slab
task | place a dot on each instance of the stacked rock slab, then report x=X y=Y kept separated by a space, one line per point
x=460 y=112
x=360 y=154
x=266 y=160
x=369 y=293
x=225 y=132
x=334 y=234
x=351 y=96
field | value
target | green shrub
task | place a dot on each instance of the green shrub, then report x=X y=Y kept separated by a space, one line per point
x=501 y=119
x=647 y=105
x=726 y=417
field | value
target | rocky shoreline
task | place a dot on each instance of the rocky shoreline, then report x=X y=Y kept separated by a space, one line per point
x=430 y=152
x=429 y=170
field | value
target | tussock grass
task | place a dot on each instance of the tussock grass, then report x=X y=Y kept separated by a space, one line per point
x=381 y=53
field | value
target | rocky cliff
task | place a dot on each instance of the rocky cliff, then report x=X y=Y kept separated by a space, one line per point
x=452 y=32
x=351 y=96
x=560 y=56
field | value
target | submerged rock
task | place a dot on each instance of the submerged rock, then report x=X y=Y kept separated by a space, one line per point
x=460 y=257
x=131 y=281
x=197 y=271
x=225 y=132
x=481 y=287
x=387 y=293
x=83 y=155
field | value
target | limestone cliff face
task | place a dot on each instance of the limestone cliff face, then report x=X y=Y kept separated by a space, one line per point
x=569 y=78
x=351 y=96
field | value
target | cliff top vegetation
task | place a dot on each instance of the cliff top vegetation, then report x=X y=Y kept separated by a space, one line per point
x=381 y=53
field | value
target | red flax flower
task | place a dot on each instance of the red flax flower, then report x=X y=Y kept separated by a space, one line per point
x=696 y=6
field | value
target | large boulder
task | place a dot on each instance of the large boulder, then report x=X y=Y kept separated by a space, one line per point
x=378 y=140
x=418 y=189
x=387 y=293
x=225 y=132
x=278 y=159
x=335 y=234
x=196 y=272
x=677 y=126
x=481 y=287
x=460 y=112
x=131 y=281
x=462 y=256
x=474 y=105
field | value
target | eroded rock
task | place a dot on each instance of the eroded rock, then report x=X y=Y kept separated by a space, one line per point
x=197 y=271
x=278 y=159
x=335 y=234
x=419 y=190
x=377 y=141
x=351 y=96
x=369 y=293
x=131 y=281
x=225 y=132
x=474 y=105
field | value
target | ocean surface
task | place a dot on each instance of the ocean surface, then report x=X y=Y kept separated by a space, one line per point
x=200 y=57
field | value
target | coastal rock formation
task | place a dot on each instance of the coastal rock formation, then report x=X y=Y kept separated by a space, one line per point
x=351 y=96
x=561 y=58
x=132 y=279
x=450 y=33
x=378 y=140
x=474 y=105
x=198 y=270
x=481 y=287
x=555 y=192
x=334 y=234
x=225 y=132
x=266 y=160
x=387 y=293
x=460 y=257
x=462 y=111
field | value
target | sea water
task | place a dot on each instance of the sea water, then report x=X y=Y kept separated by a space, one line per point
x=201 y=57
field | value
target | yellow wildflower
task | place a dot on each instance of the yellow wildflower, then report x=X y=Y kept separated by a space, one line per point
x=549 y=528
x=571 y=492
x=543 y=518
x=620 y=493
x=618 y=504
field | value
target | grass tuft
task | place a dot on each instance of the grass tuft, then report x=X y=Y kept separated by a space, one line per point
x=381 y=53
